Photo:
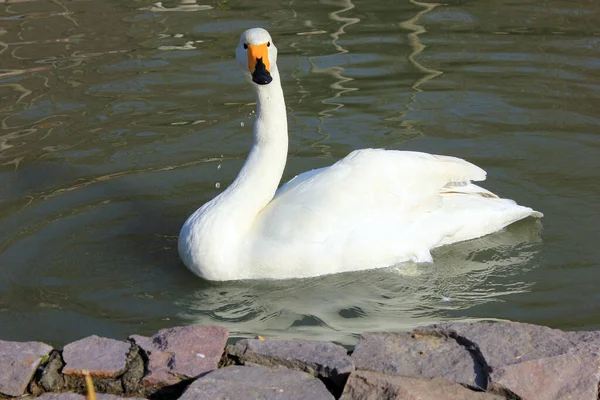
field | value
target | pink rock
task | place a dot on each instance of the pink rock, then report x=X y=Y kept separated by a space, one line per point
x=530 y=362
x=324 y=360
x=179 y=353
x=418 y=356
x=366 y=385
x=251 y=383
x=574 y=375
x=75 y=396
x=103 y=357
x=18 y=362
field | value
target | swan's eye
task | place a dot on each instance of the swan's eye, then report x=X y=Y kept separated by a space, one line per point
x=268 y=44
x=245 y=46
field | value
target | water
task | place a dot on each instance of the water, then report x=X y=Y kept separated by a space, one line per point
x=120 y=118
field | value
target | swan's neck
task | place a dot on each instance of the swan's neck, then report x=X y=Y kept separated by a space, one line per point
x=258 y=179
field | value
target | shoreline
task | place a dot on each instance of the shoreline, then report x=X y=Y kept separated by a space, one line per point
x=454 y=360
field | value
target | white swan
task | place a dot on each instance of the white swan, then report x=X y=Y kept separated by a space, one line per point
x=374 y=208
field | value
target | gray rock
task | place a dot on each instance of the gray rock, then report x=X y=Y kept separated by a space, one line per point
x=573 y=375
x=61 y=396
x=134 y=370
x=250 y=383
x=179 y=353
x=504 y=343
x=530 y=361
x=418 y=356
x=51 y=379
x=103 y=357
x=18 y=362
x=582 y=339
x=75 y=396
x=321 y=359
x=366 y=385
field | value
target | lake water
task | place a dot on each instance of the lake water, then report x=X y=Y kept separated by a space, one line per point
x=119 y=118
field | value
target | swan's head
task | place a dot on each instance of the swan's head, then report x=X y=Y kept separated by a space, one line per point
x=256 y=55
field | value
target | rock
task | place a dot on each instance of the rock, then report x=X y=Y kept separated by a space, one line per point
x=366 y=385
x=504 y=343
x=75 y=396
x=18 y=363
x=180 y=353
x=103 y=357
x=249 y=383
x=418 y=356
x=573 y=375
x=51 y=379
x=321 y=359
x=530 y=361
x=134 y=370
x=582 y=339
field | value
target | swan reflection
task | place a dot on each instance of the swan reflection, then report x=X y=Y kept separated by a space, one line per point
x=340 y=307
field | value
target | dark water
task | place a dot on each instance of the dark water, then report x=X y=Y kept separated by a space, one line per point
x=119 y=118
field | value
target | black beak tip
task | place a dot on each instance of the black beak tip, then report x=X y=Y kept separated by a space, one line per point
x=262 y=77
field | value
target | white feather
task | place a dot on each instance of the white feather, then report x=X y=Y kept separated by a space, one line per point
x=374 y=208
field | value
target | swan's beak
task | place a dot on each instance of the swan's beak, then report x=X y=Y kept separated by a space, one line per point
x=258 y=63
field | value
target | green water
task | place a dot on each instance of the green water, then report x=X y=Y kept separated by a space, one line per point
x=119 y=118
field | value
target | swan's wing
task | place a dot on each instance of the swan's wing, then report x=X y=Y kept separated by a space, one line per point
x=297 y=180
x=367 y=185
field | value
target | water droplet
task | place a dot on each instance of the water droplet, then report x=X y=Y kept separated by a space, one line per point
x=218 y=185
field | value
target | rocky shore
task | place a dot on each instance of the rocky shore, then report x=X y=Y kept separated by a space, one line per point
x=482 y=360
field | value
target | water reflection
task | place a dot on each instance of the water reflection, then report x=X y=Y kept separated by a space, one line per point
x=112 y=129
x=340 y=307
x=417 y=47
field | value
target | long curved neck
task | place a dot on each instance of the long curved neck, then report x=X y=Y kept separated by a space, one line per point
x=258 y=179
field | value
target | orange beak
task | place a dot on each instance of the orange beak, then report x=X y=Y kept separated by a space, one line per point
x=258 y=52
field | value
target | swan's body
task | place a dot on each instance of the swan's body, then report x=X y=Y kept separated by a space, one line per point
x=374 y=208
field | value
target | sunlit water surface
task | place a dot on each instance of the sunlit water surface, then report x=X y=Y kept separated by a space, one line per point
x=119 y=118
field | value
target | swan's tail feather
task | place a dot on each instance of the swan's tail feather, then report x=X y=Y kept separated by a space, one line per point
x=459 y=170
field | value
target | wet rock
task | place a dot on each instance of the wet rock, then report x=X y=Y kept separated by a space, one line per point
x=75 y=396
x=176 y=354
x=18 y=363
x=134 y=370
x=530 y=361
x=249 y=383
x=418 y=356
x=48 y=378
x=103 y=357
x=321 y=359
x=366 y=385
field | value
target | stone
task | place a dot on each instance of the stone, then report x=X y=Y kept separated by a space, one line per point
x=366 y=385
x=504 y=343
x=180 y=353
x=104 y=358
x=18 y=363
x=134 y=370
x=418 y=356
x=574 y=375
x=582 y=339
x=249 y=383
x=75 y=396
x=51 y=379
x=322 y=359
x=529 y=361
